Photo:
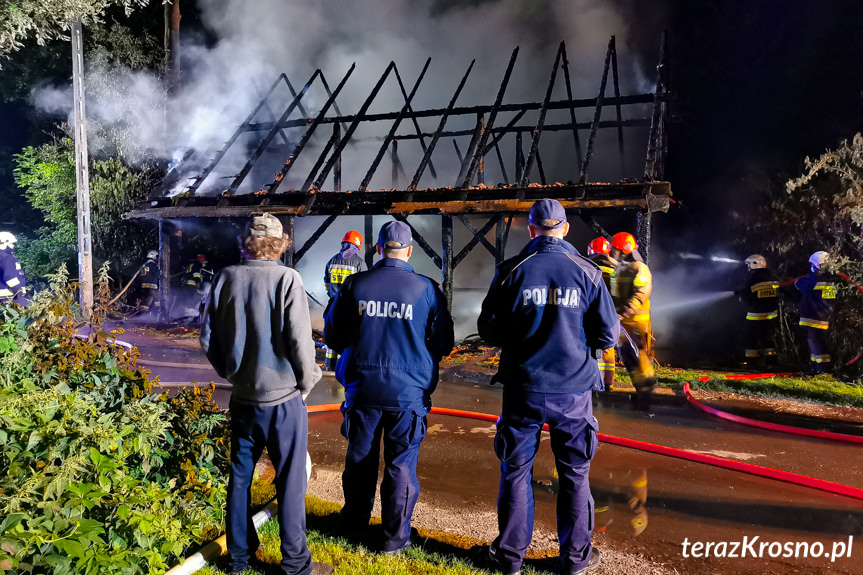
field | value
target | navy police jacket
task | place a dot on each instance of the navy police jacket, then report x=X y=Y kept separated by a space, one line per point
x=547 y=308
x=391 y=327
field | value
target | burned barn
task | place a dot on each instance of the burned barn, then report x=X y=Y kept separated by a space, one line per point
x=299 y=155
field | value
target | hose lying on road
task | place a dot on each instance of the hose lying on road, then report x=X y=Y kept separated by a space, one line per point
x=768 y=425
x=217 y=548
x=713 y=460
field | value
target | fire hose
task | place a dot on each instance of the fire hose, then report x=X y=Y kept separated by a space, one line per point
x=768 y=425
x=219 y=546
x=761 y=471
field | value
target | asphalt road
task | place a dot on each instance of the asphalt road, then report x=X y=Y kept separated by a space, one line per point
x=685 y=500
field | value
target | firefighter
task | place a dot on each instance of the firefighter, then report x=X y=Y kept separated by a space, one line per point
x=342 y=265
x=192 y=283
x=598 y=251
x=631 y=285
x=205 y=285
x=149 y=277
x=13 y=283
x=391 y=327
x=816 y=308
x=762 y=312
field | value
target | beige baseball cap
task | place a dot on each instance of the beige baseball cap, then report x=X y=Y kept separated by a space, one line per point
x=265 y=225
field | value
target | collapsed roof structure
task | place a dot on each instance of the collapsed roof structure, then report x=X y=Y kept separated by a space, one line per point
x=332 y=134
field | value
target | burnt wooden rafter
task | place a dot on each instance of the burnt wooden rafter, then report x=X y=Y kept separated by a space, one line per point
x=468 y=195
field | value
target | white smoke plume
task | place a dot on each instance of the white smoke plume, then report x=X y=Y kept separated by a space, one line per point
x=256 y=41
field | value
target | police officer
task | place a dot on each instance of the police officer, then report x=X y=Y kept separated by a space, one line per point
x=345 y=263
x=631 y=286
x=549 y=312
x=818 y=292
x=762 y=311
x=391 y=327
x=598 y=251
x=149 y=278
x=13 y=283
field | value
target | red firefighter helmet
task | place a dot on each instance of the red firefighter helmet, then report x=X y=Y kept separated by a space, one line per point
x=354 y=237
x=624 y=242
x=599 y=245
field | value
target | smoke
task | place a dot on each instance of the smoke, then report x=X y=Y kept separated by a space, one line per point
x=224 y=80
x=259 y=40
x=695 y=317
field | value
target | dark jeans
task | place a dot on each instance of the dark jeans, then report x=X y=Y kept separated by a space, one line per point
x=573 y=442
x=402 y=432
x=283 y=430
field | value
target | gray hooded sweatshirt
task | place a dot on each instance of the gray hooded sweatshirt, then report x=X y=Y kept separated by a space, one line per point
x=257 y=333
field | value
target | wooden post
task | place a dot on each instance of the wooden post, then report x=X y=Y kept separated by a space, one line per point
x=82 y=176
x=447 y=256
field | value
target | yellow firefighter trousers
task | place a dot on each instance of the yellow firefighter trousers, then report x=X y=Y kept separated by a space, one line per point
x=640 y=366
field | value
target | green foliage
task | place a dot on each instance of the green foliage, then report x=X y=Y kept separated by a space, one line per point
x=820 y=210
x=46 y=20
x=97 y=474
x=47 y=174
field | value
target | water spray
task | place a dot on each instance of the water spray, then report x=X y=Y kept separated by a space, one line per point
x=699 y=300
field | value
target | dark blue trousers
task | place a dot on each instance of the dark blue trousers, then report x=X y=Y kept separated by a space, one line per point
x=573 y=441
x=283 y=429
x=402 y=432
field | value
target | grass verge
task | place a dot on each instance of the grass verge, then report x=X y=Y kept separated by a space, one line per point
x=824 y=389
x=433 y=553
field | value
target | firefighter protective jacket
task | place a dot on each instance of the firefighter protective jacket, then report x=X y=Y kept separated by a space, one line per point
x=607 y=265
x=149 y=275
x=760 y=296
x=818 y=290
x=630 y=287
x=12 y=279
x=547 y=308
x=345 y=263
x=391 y=327
x=192 y=276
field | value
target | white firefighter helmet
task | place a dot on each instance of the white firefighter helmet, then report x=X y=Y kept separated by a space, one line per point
x=7 y=240
x=818 y=259
x=152 y=255
x=756 y=262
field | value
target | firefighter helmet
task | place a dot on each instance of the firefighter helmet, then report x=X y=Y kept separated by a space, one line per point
x=7 y=240
x=756 y=262
x=598 y=245
x=202 y=258
x=152 y=255
x=353 y=237
x=818 y=259
x=624 y=242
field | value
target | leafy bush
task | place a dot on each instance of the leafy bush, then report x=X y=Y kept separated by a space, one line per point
x=97 y=474
x=47 y=176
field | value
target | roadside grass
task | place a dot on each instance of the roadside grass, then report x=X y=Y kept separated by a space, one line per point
x=433 y=553
x=824 y=389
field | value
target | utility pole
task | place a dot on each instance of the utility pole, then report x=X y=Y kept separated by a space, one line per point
x=82 y=176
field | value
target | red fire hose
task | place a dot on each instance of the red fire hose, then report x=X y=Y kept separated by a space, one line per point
x=767 y=425
x=740 y=466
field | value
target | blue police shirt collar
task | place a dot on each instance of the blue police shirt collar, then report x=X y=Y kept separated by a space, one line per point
x=545 y=242
x=394 y=263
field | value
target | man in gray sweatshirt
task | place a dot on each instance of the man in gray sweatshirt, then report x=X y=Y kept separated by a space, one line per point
x=257 y=334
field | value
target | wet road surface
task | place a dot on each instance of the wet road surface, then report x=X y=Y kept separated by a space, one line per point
x=684 y=500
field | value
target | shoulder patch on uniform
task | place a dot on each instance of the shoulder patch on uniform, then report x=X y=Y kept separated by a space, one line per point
x=591 y=270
